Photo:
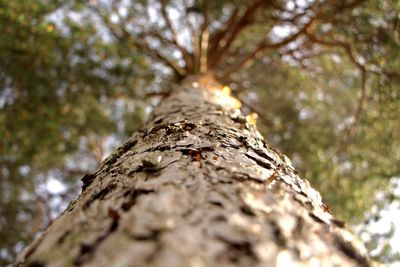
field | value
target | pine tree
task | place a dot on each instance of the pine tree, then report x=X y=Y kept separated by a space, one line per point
x=198 y=185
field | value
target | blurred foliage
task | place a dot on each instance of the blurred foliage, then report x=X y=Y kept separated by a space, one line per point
x=72 y=88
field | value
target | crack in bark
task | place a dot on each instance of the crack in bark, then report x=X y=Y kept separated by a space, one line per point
x=87 y=180
x=259 y=161
x=348 y=249
x=132 y=196
x=100 y=195
x=87 y=250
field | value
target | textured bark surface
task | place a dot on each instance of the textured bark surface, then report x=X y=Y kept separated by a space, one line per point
x=198 y=186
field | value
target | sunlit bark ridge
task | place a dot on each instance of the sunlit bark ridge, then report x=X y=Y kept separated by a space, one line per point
x=196 y=186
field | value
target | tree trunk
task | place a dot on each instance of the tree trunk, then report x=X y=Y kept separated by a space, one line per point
x=197 y=186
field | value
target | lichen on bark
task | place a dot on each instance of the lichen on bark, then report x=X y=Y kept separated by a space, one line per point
x=196 y=186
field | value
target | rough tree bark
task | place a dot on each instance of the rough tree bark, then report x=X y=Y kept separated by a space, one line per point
x=197 y=186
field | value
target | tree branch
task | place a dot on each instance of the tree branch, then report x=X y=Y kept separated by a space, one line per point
x=156 y=55
x=360 y=104
x=263 y=45
x=142 y=46
x=186 y=55
x=204 y=39
x=260 y=48
x=217 y=37
x=232 y=33
x=363 y=72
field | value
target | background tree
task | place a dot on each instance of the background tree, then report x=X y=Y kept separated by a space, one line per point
x=76 y=72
